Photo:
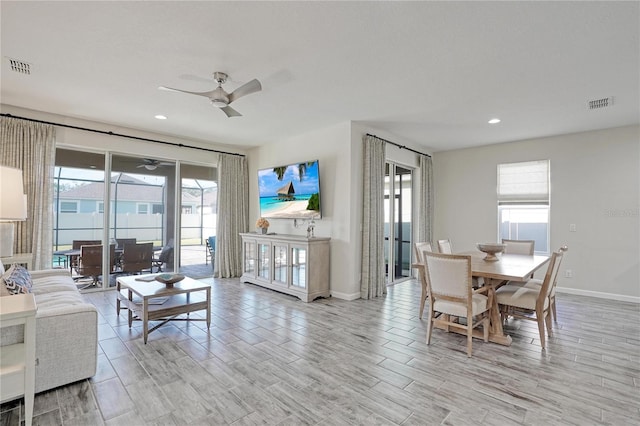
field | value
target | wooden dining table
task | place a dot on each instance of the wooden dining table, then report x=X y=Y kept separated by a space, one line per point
x=508 y=267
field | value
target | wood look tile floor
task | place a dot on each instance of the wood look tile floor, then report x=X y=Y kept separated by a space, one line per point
x=271 y=359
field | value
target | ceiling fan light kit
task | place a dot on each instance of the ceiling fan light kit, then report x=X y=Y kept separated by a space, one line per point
x=151 y=164
x=219 y=97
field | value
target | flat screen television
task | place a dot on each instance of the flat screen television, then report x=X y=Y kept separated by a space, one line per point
x=291 y=191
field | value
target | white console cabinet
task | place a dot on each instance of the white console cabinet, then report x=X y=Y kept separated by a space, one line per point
x=291 y=264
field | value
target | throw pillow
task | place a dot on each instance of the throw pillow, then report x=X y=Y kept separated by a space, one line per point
x=17 y=280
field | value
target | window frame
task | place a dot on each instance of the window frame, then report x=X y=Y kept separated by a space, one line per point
x=523 y=201
x=75 y=203
x=146 y=207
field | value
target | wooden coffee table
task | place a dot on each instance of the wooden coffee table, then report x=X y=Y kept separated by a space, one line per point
x=136 y=296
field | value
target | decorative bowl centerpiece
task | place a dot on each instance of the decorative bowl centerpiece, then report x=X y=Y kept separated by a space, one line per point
x=491 y=249
x=169 y=279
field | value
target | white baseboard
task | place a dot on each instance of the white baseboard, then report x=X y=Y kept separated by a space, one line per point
x=345 y=296
x=598 y=294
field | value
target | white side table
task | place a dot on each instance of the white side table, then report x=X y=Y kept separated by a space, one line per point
x=18 y=361
x=22 y=258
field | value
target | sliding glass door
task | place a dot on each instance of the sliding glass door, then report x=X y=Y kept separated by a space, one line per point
x=140 y=210
x=198 y=213
x=398 y=211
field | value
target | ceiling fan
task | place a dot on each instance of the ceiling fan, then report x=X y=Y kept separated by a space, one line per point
x=151 y=164
x=221 y=99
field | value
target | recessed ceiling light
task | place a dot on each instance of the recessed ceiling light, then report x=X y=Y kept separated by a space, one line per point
x=161 y=117
x=494 y=121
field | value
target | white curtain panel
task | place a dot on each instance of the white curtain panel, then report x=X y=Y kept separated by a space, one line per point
x=30 y=146
x=425 y=218
x=372 y=268
x=233 y=214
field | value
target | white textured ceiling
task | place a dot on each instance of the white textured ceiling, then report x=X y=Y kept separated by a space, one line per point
x=432 y=73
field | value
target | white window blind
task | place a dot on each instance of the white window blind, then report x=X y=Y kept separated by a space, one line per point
x=526 y=181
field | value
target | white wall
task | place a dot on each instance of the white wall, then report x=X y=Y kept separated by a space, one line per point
x=339 y=151
x=595 y=183
x=331 y=146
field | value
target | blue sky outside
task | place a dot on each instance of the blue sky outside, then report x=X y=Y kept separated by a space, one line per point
x=269 y=184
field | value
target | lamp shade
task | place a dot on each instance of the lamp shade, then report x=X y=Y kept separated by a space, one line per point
x=13 y=204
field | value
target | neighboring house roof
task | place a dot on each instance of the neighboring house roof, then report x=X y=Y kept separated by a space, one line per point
x=130 y=189
x=95 y=191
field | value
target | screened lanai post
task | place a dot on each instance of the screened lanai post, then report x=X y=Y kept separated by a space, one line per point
x=372 y=267
x=233 y=214
x=425 y=217
x=30 y=147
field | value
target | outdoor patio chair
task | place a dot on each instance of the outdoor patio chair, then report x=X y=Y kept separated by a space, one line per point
x=90 y=262
x=165 y=259
x=77 y=245
x=124 y=241
x=137 y=258
x=211 y=251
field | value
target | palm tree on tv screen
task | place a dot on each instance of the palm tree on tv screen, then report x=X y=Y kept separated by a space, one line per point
x=302 y=170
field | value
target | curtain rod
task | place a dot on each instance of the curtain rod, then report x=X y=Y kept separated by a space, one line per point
x=104 y=132
x=399 y=146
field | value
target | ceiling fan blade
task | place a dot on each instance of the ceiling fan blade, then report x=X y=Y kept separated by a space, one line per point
x=230 y=112
x=246 y=89
x=171 y=89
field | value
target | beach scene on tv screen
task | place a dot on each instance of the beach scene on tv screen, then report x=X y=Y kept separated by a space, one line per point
x=291 y=191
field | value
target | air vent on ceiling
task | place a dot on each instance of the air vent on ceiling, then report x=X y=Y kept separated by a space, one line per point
x=600 y=103
x=20 y=66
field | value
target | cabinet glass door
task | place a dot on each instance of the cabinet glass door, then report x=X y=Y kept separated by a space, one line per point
x=249 y=257
x=263 y=260
x=298 y=267
x=280 y=263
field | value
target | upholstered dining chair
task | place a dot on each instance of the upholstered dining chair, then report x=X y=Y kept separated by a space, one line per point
x=519 y=246
x=444 y=246
x=137 y=258
x=451 y=295
x=531 y=303
x=419 y=248
x=537 y=283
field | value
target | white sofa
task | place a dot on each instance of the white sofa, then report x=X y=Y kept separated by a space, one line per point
x=66 y=331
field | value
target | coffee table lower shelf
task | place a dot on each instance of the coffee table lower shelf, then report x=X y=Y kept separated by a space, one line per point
x=136 y=297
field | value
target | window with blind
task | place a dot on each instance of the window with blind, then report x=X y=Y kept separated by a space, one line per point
x=523 y=202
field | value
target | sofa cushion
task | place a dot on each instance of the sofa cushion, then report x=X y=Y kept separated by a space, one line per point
x=17 y=280
x=52 y=284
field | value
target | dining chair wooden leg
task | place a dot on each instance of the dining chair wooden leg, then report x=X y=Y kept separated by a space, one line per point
x=422 y=302
x=547 y=320
x=552 y=301
x=469 y=336
x=430 y=322
x=540 y=317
